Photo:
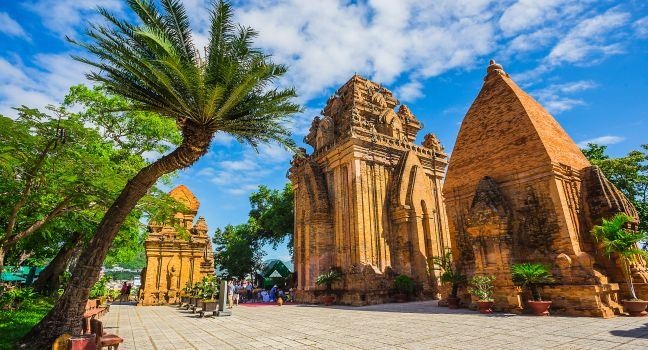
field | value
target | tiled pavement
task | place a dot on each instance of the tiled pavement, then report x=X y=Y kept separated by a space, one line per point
x=420 y=325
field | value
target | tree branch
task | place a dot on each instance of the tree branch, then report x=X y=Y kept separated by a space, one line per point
x=59 y=209
x=11 y=223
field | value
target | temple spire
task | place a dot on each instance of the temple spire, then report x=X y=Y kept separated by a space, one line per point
x=494 y=69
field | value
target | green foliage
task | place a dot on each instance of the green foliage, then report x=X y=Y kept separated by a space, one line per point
x=12 y=298
x=100 y=288
x=614 y=238
x=65 y=168
x=238 y=249
x=449 y=273
x=153 y=62
x=404 y=284
x=327 y=279
x=209 y=287
x=14 y=324
x=481 y=287
x=273 y=213
x=532 y=276
x=629 y=174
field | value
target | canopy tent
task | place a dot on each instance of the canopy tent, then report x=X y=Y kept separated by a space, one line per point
x=274 y=272
x=11 y=277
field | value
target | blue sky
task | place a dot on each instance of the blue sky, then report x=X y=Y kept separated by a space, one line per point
x=585 y=61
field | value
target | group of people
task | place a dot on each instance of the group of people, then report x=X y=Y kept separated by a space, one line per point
x=246 y=292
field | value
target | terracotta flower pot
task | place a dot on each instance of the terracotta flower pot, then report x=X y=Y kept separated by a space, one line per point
x=328 y=300
x=635 y=307
x=540 y=308
x=400 y=297
x=484 y=307
x=453 y=302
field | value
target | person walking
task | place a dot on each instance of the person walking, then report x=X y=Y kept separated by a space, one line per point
x=237 y=293
x=129 y=287
x=230 y=294
x=122 y=292
x=248 y=293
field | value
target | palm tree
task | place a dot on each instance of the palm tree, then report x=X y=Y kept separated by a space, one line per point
x=531 y=276
x=615 y=239
x=154 y=63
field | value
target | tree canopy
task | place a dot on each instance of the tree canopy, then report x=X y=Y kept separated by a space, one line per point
x=61 y=169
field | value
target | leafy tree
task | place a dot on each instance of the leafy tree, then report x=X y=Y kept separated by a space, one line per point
x=616 y=240
x=238 y=249
x=629 y=174
x=273 y=211
x=153 y=62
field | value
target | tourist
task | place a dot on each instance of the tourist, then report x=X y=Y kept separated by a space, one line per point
x=292 y=295
x=128 y=291
x=265 y=297
x=123 y=291
x=230 y=294
x=273 y=293
x=248 y=290
x=237 y=291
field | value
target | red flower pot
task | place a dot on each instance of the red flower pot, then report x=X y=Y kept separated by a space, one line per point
x=540 y=308
x=328 y=300
x=635 y=307
x=484 y=307
x=453 y=302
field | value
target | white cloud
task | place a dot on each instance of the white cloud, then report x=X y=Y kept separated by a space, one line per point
x=554 y=99
x=10 y=27
x=37 y=86
x=641 y=27
x=68 y=17
x=589 y=39
x=601 y=140
x=410 y=91
x=526 y=14
x=325 y=42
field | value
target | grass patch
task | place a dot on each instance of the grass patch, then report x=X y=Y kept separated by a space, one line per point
x=15 y=324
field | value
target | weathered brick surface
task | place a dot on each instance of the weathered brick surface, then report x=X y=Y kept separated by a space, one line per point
x=368 y=200
x=518 y=189
x=172 y=260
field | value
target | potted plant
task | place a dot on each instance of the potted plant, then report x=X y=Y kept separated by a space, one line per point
x=210 y=292
x=481 y=287
x=533 y=276
x=450 y=275
x=327 y=279
x=198 y=293
x=405 y=287
x=615 y=239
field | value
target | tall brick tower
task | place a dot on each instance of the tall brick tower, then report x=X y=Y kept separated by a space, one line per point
x=518 y=189
x=367 y=200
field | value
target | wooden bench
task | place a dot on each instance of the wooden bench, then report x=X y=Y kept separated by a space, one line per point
x=93 y=309
x=103 y=339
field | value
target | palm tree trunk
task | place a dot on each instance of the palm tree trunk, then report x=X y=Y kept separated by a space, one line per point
x=66 y=315
x=628 y=275
x=48 y=279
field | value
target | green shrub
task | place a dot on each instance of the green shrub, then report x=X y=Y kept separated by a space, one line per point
x=532 y=276
x=404 y=284
x=327 y=279
x=481 y=287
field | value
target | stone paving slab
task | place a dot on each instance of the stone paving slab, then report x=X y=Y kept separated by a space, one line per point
x=418 y=325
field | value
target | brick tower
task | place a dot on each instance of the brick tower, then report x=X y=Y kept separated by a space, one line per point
x=368 y=200
x=518 y=189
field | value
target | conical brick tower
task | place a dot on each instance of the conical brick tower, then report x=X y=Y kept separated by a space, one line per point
x=518 y=189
